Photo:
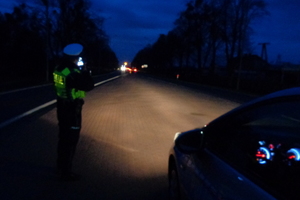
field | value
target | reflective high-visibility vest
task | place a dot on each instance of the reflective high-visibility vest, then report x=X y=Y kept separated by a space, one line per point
x=62 y=91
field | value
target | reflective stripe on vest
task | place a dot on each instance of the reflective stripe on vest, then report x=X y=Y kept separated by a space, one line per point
x=60 y=85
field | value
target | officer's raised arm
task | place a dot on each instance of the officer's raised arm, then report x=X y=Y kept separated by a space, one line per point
x=81 y=81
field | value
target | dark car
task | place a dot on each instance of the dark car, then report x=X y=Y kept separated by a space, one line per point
x=251 y=152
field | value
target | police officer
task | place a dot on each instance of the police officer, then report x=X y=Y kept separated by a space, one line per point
x=71 y=83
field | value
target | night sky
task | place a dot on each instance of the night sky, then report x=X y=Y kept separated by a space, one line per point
x=131 y=25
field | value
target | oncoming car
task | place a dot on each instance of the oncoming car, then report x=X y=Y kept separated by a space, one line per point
x=251 y=152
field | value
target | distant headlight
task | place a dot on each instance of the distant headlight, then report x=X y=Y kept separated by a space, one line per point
x=123 y=68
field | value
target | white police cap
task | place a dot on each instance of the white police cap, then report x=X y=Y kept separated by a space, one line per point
x=73 y=49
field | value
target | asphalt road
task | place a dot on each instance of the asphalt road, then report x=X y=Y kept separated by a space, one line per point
x=19 y=103
x=128 y=127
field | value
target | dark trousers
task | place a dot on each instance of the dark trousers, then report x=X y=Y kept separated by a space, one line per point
x=69 y=121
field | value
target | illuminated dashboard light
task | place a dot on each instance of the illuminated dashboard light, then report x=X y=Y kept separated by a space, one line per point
x=266 y=151
x=263 y=154
x=295 y=154
x=262 y=162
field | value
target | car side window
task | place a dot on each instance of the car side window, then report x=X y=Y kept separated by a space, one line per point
x=264 y=144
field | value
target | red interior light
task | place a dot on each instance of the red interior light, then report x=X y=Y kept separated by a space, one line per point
x=292 y=157
x=260 y=155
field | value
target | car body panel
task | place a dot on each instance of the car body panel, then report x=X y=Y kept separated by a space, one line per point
x=205 y=172
x=208 y=177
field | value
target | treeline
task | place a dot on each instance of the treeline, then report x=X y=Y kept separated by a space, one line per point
x=32 y=38
x=207 y=34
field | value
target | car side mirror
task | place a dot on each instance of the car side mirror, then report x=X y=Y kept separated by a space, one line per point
x=190 y=141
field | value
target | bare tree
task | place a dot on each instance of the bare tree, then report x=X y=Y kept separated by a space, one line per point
x=237 y=16
x=208 y=28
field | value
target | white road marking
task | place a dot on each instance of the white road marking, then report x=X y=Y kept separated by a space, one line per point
x=7 y=122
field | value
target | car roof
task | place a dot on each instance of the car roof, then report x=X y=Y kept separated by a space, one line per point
x=291 y=92
x=282 y=93
x=279 y=94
